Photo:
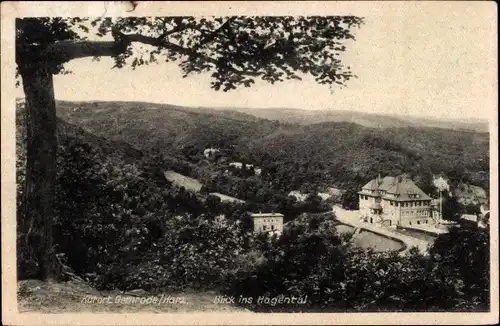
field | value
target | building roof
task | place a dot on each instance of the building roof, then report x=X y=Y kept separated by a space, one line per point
x=469 y=217
x=380 y=184
x=403 y=188
x=387 y=183
x=406 y=189
x=267 y=215
x=372 y=185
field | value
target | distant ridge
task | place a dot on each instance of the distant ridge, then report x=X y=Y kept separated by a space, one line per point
x=308 y=117
x=372 y=120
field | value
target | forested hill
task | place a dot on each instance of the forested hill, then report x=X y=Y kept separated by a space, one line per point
x=372 y=120
x=291 y=155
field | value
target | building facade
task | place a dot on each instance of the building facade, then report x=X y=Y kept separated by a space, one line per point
x=396 y=201
x=267 y=223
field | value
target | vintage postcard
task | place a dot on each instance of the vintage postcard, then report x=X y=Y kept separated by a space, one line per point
x=271 y=163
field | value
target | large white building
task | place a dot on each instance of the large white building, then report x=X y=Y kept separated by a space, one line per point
x=396 y=201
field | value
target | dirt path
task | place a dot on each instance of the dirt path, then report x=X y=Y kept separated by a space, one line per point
x=51 y=297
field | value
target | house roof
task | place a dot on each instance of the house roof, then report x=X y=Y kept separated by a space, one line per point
x=387 y=183
x=469 y=217
x=403 y=187
x=267 y=215
x=380 y=184
x=372 y=185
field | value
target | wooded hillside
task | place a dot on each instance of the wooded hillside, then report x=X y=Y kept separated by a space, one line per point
x=291 y=156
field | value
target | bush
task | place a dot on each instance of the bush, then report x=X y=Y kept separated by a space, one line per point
x=121 y=226
x=338 y=277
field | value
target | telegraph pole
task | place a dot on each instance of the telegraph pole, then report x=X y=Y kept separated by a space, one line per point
x=441 y=205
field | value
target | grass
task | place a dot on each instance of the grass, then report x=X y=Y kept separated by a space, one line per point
x=180 y=180
x=77 y=296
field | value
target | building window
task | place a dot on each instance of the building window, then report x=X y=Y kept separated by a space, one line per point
x=272 y=227
x=418 y=222
x=392 y=204
x=264 y=227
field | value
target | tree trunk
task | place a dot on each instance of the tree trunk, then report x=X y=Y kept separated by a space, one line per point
x=38 y=213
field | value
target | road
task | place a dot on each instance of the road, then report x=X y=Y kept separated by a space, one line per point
x=352 y=218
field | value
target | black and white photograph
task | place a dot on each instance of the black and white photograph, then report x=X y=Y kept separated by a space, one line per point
x=235 y=159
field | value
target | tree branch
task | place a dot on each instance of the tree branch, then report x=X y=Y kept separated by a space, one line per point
x=69 y=50
x=211 y=35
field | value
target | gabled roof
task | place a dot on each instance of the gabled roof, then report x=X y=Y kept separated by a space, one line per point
x=387 y=183
x=401 y=186
x=406 y=189
x=372 y=185
x=380 y=184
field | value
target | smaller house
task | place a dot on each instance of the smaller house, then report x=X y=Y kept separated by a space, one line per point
x=324 y=195
x=239 y=165
x=208 y=152
x=300 y=197
x=469 y=217
x=267 y=222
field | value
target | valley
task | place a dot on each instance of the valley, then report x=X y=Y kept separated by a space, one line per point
x=154 y=187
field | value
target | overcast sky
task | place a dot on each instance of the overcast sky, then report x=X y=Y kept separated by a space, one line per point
x=418 y=61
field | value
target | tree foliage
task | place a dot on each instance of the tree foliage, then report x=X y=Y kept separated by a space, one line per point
x=340 y=278
x=235 y=50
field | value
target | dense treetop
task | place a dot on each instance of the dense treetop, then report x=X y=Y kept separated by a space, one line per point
x=235 y=50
